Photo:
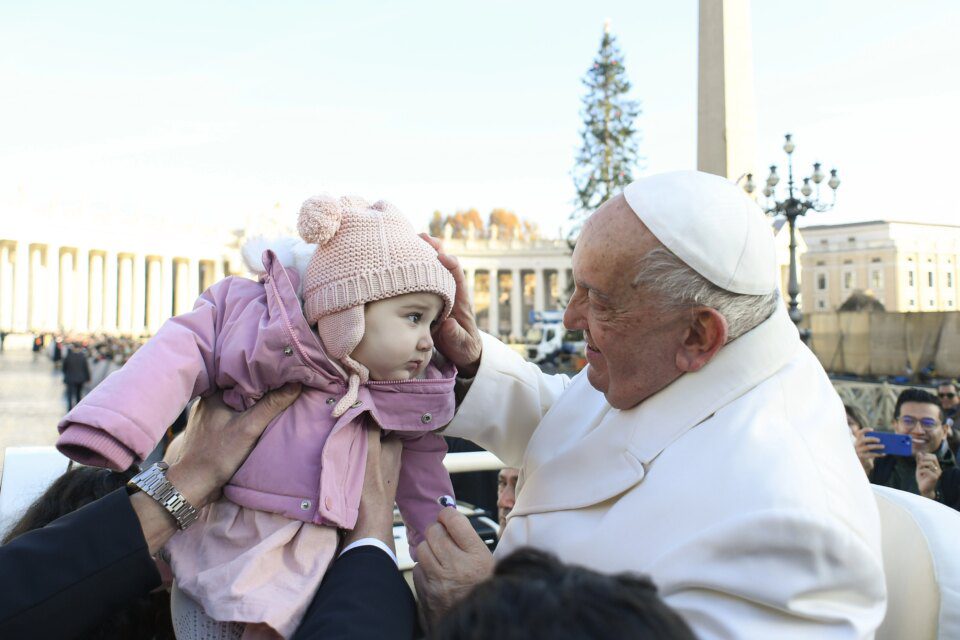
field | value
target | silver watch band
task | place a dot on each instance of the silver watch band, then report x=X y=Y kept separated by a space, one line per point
x=154 y=483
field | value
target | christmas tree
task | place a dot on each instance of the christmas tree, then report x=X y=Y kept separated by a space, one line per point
x=609 y=153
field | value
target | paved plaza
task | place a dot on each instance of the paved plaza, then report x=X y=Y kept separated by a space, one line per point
x=31 y=400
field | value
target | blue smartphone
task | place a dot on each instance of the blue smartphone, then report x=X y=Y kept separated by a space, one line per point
x=894 y=444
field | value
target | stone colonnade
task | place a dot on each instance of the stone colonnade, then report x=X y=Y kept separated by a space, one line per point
x=48 y=287
x=508 y=278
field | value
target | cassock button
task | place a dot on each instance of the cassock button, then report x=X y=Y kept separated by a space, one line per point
x=305 y=505
x=331 y=400
x=426 y=418
x=288 y=350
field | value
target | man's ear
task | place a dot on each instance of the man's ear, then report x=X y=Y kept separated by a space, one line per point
x=705 y=334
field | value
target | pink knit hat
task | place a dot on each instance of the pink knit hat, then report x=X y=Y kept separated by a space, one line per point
x=365 y=253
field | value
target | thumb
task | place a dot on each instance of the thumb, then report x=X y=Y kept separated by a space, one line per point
x=272 y=404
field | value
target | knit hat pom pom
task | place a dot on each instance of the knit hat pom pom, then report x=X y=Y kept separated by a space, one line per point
x=319 y=220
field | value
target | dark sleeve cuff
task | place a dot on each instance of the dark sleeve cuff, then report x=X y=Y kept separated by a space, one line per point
x=363 y=597
x=70 y=576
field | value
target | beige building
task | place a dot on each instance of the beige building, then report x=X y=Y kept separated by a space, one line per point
x=907 y=266
x=507 y=278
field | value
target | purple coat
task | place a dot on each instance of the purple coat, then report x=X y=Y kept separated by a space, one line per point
x=246 y=338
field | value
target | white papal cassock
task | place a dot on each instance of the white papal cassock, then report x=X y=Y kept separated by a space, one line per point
x=735 y=488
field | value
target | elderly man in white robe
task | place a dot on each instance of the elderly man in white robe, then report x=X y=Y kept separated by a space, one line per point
x=702 y=445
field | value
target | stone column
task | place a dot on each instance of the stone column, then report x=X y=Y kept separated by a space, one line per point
x=111 y=307
x=193 y=282
x=68 y=289
x=36 y=304
x=539 y=290
x=218 y=269
x=166 y=288
x=562 y=284
x=493 y=314
x=138 y=321
x=125 y=294
x=52 y=294
x=181 y=287
x=516 y=304
x=154 y=280
x=81 y=298
x=96 y=287
x=22 y=287
x=6 y=289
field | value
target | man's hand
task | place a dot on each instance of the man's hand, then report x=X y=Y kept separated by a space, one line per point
x=928 y=473
x=375 y=519
x=216 y=442
x=218 y=439
x=457 y=337
x=868 y=448
x=452 y=560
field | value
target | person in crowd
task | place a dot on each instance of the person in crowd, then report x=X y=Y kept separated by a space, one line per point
x=677 y=451
x=534 y=596
x=947 y=392
x=347 y=310
x=146 y=617
x=506 y=493
x=868 y=447
x=76 y=373
x=56 y=351
x=69 y=577
x=931 y=470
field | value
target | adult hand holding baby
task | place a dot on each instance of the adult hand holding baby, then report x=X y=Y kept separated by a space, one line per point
x=457 y=337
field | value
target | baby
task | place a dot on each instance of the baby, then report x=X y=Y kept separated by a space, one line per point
x=348 y=314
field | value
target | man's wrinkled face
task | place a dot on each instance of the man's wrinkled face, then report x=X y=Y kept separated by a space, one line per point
x=921 y=421
x=632 y=339
x=948 y=396
x=506 y=493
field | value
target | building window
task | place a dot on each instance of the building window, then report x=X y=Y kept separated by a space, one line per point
x=876 y=260
x=931 y=303
x=910 y=279
x=848 y=280
x=848 y=262
x=949 y=303
x=910 y=304
x=821 y=281
x=929 y=278
x=824 y=242
x=876 y=279
x=949 y=280
x=851 y=239
x=821 y=304
x=821 y=263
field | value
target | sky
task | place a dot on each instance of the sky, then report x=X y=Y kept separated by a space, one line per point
x=228 y=113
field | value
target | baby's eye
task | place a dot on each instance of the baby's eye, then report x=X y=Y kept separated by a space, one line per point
x=414 y=317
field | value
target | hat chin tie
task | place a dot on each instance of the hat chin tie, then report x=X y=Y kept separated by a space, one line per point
x=358 y=374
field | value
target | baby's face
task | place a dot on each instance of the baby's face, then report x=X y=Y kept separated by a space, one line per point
x=396 y=343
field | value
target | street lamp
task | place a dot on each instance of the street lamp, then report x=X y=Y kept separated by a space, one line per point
x=797 y=203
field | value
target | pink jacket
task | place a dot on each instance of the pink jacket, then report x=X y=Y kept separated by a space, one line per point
x=245 y=338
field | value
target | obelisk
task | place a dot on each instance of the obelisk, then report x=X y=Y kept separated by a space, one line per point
x=726 y=110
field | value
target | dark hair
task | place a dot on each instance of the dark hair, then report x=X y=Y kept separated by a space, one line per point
x=857 y=415
x=534 y=596
x=917 y=395
x=949 y=383
x=147 y=617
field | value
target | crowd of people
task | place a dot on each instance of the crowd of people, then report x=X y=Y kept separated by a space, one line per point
x=928 y=467
x=639 y=500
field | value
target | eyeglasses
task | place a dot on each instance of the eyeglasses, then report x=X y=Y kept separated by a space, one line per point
x=949 y=396
x=927 y=423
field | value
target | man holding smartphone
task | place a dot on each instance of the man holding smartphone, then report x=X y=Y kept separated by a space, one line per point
x=931 y=469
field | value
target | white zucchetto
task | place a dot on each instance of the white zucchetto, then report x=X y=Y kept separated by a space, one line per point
x=710 y=224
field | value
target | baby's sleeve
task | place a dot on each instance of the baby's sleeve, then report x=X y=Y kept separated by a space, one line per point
x=123 y=418
x=423 y=479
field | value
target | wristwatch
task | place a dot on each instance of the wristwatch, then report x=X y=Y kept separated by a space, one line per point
x=154 y=483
